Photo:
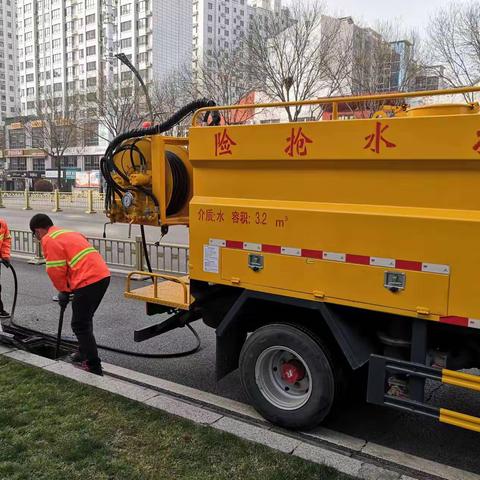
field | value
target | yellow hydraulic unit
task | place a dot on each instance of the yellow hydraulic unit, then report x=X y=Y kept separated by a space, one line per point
x=156 y=192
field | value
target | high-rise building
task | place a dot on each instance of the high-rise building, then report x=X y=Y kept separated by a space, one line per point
x=402 y=65
x=60 y=48
x=8 y=60
x=156 y=36
x=69 y=45
x=431 y=77
x=222 y=24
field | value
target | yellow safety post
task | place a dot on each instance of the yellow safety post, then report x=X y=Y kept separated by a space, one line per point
x=27 y=200
x=90 y=208
x=1 y=200
x=56 y=199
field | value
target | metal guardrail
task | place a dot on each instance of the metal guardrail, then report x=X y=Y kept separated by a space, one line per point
x=124 y=254
x=91 y=201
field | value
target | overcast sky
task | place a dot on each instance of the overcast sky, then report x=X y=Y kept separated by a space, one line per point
x=412 y=13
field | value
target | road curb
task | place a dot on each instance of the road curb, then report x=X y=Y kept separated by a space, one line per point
x=173 y=398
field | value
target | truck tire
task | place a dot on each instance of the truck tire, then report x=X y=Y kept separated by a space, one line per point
x=288 y=375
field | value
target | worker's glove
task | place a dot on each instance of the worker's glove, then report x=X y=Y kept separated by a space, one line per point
x=6 y=262
x=63 y=299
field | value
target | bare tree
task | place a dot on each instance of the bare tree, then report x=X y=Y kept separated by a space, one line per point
x=172 y=93
x=115 y=107
x=224 y=76
x=381 y=60
x=454 y=42
x=55 y=128
x=169 y=95
x=297 y=57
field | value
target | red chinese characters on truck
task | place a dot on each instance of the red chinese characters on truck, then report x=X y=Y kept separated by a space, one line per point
x=476 y=147
x=375 y=140
x=223 y=143
x=297 y=143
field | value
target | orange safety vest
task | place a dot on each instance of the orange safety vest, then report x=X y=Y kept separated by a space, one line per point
x=5 y=239
x=72 y=262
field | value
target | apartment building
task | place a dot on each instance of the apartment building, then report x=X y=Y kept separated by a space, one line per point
x=8 y=60
x=69 y=45
x=156 y=36
x=223 y=24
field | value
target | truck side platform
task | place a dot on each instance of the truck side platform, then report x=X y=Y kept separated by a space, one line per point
x=171 y=291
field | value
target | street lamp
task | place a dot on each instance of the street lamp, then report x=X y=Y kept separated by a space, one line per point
x=124 y=59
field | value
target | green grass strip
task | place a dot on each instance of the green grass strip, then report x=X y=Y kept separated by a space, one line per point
x=52 y=428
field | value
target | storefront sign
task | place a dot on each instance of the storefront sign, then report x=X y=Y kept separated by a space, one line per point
x=88 y=179
x=14 y=153
x=34 y=152
x=70 y=174
x=34 y=174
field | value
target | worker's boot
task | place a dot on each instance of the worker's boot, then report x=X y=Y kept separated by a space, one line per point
x=76 y=357
x=92 y=366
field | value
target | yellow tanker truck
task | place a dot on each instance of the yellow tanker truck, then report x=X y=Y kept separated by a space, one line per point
x=319 y=250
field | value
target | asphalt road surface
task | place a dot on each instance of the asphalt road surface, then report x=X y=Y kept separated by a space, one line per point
x=118 y=317
x=91 y=225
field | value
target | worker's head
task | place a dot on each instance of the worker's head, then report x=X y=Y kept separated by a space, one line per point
x=39 y=225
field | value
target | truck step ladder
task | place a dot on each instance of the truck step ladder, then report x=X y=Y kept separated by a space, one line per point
x=381 y=367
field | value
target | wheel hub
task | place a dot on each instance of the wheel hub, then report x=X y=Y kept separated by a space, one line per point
x=292 y=372
x=283 y=377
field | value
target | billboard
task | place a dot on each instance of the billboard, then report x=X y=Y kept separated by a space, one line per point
x=87 y=179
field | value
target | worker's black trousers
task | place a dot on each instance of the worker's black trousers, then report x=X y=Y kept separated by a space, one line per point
x=84 y=305
x=1 y=303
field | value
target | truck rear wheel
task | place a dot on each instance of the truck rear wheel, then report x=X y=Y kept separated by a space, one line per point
x=288 y=375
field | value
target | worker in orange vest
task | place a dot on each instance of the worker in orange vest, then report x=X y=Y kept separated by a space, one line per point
x=5 y=247
x=74 y=266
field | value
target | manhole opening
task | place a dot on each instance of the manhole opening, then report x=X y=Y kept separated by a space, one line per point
x=48 y=350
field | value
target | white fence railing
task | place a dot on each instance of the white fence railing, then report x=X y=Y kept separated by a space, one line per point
x=124 y=254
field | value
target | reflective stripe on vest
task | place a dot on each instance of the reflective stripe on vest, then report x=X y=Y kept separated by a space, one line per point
x=57 y=233
x=56 y=263
x=80 y=255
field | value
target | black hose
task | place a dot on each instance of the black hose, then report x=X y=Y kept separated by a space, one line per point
x=59 y=332
x=145 y=251
x=161 y=127
x=180 y=183
x=104 y=347
x=15 y=291
x=72 y=343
